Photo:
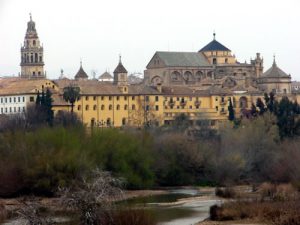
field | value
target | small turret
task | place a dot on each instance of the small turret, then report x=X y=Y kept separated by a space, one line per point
x=120 y=74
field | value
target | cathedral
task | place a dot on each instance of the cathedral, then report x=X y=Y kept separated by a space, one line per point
x=198 y=84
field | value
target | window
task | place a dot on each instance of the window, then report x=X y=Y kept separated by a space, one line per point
x=133 y=107
x=156 y=107
x=9 y=99
x=95 y=107
x=125 y=107
x=102 y=97
x=133 y=97
x=216 y=99
x=118 y=107
x=222 y=99
x=33 y=73
x=87 y=98
x=125 y=98
x=214 y=61
x=147 y=98
x=118 y=98
x=108 y=122
x=147 y=108
x=178 y=99
x=23 y=99
x=19 y=99
x=31 y=99
x=124 y=121
x=110 y=107
x=109 y=98
x=15 y=99
x=87 y=107
x=102 y=107
x=34 y=43
x=156 y=98
x=217 y=108
x=94 y=98
x=79 y=107
x=226 y=60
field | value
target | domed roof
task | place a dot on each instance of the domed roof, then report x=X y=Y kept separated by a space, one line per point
x=214 y=45
x=106 y=75
x=275 y=71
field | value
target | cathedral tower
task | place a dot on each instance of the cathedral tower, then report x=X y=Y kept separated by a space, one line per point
x=32 y=58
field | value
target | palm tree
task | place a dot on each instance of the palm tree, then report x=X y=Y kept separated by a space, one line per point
x=71 y=94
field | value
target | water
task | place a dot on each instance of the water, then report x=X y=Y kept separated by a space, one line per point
x=178 y=207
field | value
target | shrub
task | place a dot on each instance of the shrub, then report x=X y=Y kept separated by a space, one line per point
x=226 y=192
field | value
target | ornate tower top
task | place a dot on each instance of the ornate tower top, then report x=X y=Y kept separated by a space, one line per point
x=120 y=74
x=32 y=53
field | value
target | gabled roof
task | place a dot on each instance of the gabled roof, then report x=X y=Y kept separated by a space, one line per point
x=187 y=59
x=214 y=46
x=81 y=74
x=275 y=71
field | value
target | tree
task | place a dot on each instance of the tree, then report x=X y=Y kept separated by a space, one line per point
x=48 y=107
x=261 y=106
x=71 y=94
x=253 y=110
x=231 y=115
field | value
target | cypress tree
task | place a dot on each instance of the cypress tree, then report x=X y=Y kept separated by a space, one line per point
x=48 y=107
x=261 y=106
x=38 y=99
x=231 y=116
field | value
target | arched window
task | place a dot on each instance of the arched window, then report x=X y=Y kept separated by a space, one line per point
x=188 y=76
x=36 y=57
x=214 y=61
x=118 y=107
x=31 y=58
x=95 y=107
x=102 y=107
x=79 y=107
x=199 y=76
x=87 y=107
x=123 y=121
x=92 y=122
x=41 y=59
x=108 y=122
x=125 y=107
x=175 y=76
x=34 y=42
x=243 y=102
x=133 y=107
x=110 y=107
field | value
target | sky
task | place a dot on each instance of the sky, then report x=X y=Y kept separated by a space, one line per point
x=98 y=31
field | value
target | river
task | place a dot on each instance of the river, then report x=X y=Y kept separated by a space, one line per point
x=176 y=207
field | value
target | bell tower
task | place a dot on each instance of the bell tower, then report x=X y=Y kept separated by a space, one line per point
x=32 y=54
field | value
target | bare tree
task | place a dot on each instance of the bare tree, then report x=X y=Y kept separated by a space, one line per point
x=93 y=197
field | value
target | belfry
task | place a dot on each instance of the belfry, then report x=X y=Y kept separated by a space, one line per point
x=32 y=58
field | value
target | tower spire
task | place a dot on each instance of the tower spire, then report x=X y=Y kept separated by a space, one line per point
x=274 y=59
x=30 y=15
x=214 y=34
x=120 y=58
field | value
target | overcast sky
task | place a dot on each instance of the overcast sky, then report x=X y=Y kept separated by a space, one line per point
x=98 y=31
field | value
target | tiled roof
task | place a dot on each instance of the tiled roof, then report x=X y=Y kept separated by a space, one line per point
x=214 y=46
x=81 y=74
x=94 y=87
x=275 y=71
x=15 y=86
x=187 y=59
x=120 y=68
x=106 y=75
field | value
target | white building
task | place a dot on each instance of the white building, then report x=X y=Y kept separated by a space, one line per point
x=16 y=94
